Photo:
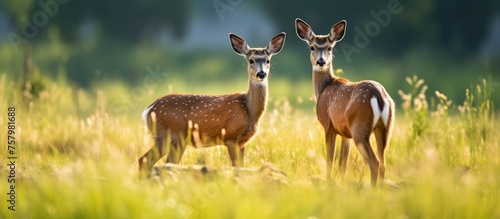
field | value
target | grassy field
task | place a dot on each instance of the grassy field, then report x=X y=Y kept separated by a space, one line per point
x=77 y=151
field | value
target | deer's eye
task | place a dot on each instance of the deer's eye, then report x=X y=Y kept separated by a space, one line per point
x=312 y=48
x=329 y=48
x=251 y=61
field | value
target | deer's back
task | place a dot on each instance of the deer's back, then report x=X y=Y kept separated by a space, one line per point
x=209 y=116
x=341 y=103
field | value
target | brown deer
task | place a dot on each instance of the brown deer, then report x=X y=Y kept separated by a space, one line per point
x=349 y=109
x=231 y=119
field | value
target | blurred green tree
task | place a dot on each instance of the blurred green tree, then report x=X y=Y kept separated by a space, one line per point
x=452 y=26
x=125 y=20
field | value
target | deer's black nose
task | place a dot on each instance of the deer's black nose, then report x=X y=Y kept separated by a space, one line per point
x=321 y=62
x=261 y=75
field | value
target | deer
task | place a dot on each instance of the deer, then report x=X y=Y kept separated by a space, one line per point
x=231 y=119
x=353 y=110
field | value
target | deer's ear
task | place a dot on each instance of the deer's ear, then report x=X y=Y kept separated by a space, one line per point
x=337 y=32
x=276 y=43
x=304 y=31
x=239 y=45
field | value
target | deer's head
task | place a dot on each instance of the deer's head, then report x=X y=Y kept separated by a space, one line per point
x=258 y=59
x=321 y=46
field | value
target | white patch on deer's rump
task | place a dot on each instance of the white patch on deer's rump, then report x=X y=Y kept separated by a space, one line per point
x=376 y=111
x=377 y=114
x=385 y=113
x=145 y=114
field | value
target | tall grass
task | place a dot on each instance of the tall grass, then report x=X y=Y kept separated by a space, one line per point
x=78 y=159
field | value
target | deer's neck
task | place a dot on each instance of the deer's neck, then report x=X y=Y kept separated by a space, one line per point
x=321 y=78
x=257 y=99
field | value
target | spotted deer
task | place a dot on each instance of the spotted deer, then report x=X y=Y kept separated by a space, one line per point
x=231 y=119
x=349 y=109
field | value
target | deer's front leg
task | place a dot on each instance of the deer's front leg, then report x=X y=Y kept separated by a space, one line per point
x=344 y=156
x=236 y=153
x=330 y=152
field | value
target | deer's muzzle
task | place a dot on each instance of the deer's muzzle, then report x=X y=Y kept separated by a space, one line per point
x=261 y=75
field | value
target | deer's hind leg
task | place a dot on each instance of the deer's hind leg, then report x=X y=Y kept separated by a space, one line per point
x=361 y=136
x=177 y=149
x=155 y=153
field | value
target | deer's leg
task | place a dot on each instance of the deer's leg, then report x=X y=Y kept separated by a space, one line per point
x=155 y=153
x=236 y=153
x=381 y=135
x=344 y=156
x=177 y=149
x=362 y=141
x=330 y=152
x=242 y=156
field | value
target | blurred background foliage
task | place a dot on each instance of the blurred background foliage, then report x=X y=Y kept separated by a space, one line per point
x=450 y=44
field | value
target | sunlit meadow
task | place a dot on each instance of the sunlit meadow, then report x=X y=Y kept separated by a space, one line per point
x=78 y=149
